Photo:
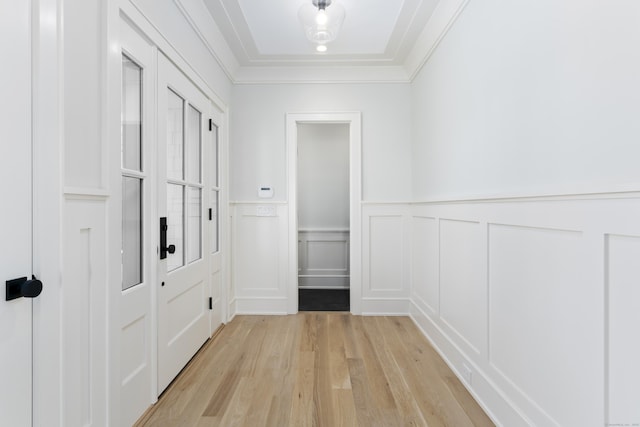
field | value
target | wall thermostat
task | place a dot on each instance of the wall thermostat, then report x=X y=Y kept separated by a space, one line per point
x=265 y=192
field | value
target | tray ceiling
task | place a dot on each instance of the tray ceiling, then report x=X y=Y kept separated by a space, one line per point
x=268 y=32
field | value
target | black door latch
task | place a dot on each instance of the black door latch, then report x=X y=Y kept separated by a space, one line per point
x=23 y=287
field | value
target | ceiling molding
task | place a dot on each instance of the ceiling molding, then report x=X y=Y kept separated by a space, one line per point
x=367 y=69
x=198 y=16
x=321 y=74
x=442 y=19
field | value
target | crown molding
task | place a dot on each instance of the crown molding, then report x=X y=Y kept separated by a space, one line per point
x=321 y=74
x=444 y=16
x=442 y=19
x=199 y=18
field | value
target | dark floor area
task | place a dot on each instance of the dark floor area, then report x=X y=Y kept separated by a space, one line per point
x=323 y=300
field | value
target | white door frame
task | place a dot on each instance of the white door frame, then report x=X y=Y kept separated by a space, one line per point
x=354 y=120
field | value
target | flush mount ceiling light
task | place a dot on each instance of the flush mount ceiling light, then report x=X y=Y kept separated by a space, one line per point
x=321 y=23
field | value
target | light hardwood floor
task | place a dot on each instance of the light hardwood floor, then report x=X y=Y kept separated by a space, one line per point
x=317 y=369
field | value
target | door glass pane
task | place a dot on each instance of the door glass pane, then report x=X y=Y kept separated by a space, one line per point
x=175 y=223
x=214 y=160
x=194 y=225
x=193 y=145
x=131 y=122
x=175 y=136
x=131 y=232
x=214 y=221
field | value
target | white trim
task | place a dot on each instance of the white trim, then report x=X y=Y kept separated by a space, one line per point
x=85 y=193
x=195 y=12
x=355 y=212
x=257 y=202
x=249 y=75
x=392 y=306
x=442 y=19
x=261 y=305
x=619 y=192
x=323 y=230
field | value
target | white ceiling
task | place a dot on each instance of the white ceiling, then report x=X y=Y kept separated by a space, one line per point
x=268 y=32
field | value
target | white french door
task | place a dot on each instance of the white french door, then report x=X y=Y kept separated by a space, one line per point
x=137 y=83
x=15 y=215
x=183 y=272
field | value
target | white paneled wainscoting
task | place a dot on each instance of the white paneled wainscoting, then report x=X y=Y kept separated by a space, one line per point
x=534 y=302
x=323 y=258
x=259 y=258
x=386 y=247
x=84 y=308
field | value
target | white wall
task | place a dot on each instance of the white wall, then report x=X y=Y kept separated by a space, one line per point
x=323 y=176
x=530 y=98
x=528 y=299
x=258 y=158
x=257 y=131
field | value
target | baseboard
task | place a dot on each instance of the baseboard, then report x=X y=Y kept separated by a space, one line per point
x=232 y=310
x=385 y=306
x=261 y=305
x=492 y=400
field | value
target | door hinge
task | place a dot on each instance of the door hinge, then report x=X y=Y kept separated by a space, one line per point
x=210 y=303
x=210 y=125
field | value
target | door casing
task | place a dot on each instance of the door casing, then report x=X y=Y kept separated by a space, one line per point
x=353 y=119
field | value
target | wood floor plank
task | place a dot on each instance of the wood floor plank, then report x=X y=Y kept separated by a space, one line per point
x=438 y=405
x=383 y=398
x=368 y=414
x=322 y=398
x=409 y=411
x=317 y=369
x=339 y=371
x=345 y=408
x=302 y=404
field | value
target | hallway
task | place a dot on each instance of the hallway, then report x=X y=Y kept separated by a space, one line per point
x=324 y=369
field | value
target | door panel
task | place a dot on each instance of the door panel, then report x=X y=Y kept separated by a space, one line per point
x=138 y=251
x=15 y=216
x=183 y=312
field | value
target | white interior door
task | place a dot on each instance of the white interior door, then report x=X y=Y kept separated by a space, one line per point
x=15 y=215
x=183 y=297
x=138 y=233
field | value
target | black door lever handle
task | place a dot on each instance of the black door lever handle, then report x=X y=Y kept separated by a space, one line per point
x=164 y=249
x=23 y=287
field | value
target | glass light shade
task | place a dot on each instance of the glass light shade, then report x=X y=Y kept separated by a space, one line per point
x=319 y=32
x=321 y=17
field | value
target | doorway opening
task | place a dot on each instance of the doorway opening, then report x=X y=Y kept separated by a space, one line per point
x=330 y=248
x=323 y=217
